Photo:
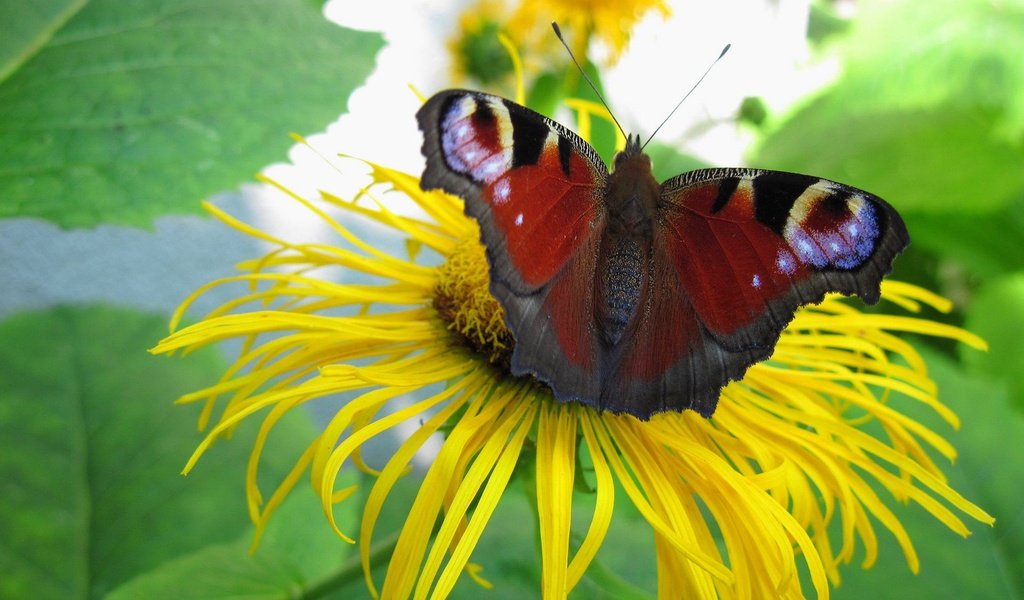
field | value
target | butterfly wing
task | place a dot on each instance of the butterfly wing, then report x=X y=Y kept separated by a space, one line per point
x=535 y=189
x=744 y=249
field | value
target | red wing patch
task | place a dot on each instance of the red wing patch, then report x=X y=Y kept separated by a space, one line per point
x=729 y=264
x=540 y=202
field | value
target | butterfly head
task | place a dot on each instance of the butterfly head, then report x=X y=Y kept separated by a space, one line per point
x=633 y=146
x=632 y=157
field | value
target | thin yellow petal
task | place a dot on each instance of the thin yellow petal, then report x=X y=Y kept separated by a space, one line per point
x=398 y=466
x=404 y=569
x=556 y=466
x=497 y=479
x=604 y=504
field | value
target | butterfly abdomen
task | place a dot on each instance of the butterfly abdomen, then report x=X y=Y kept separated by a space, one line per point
x=621 y=280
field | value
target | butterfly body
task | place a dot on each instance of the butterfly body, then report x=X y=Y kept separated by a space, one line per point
x=630 y=211
x=634 y=296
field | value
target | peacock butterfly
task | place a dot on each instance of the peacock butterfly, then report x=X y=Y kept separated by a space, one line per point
x=638 y=297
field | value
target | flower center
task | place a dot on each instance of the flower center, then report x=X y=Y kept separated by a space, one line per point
x=463 y=299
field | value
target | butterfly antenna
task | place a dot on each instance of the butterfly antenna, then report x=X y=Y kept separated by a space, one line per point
x=724 y=50
x=558 y=32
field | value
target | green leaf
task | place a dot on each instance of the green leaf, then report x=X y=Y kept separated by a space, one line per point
x=91 y=448
x=669 y=162
x=625 y=565
x=299 y=533
x=481 y=54
x=823 y=22
x=124 y=111
x=27 y=26
x=601 y=582
x=297 y=550
x=944 y=161
x=753 y=110
x=988 y=471
x=996 y=313
x=222 y=571
x=927 y=112
x=961 y=53
x=987 y=245
x=547 y=93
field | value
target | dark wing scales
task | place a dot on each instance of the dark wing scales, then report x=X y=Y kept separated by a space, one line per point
x=533 y=186
x=748 y=247
x=735 y=253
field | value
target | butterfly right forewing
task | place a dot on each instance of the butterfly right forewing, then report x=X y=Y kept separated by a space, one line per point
x=750 y=246
x=744 y=249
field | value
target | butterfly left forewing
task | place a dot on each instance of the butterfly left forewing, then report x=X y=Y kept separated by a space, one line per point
x=533 y=186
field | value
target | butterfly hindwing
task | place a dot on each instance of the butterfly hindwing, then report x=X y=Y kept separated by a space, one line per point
x=669 y=361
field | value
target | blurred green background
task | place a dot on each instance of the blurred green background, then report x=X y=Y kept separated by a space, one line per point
x=114 y=114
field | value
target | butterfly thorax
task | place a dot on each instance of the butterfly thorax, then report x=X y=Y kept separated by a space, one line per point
x=630 y=203
x=632 y=194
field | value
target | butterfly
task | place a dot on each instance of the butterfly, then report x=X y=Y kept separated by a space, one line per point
x=638 y=297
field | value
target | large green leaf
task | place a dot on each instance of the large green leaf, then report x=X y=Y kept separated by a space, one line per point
x=988 y=471
x=997 y=314
x=225 y=571
x=928 y=112
x=987 y=245
x=123 y=111
x=90 y=453
x=27 y=27
x=929 y=161
x=963 y=53
x=298 y=552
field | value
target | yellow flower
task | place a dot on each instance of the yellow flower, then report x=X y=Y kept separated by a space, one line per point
x=477 y=54
x=734 y=501
x=609 y=21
